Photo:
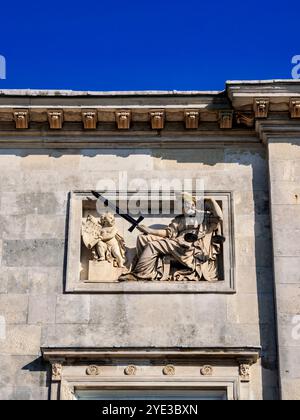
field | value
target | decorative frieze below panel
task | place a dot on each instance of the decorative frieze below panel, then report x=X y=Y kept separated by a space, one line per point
x=151 y=369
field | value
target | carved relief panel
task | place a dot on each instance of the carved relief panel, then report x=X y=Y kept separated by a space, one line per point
x=161 y=243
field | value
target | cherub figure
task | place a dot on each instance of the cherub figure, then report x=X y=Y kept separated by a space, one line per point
x=103 y=239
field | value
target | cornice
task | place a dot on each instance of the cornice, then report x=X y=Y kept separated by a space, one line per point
x=278 y=130
x=278 y=93
x=171 y=118
x=249 y=354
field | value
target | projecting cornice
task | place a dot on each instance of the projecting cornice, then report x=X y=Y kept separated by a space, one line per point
x=171 y=118
x=278 y=130
x=249 y=354
x=112 y=110
x=273 y=95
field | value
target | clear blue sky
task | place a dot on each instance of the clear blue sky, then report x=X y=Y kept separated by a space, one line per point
x=139 y=45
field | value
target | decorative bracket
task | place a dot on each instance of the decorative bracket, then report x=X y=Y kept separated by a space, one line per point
x=243 y=119
x=191 y=120
x=123 y=119
x=157 y=120
x=226 y=119
x=21 y=118
x=56 y=371
x=55 y=119
x=295 y=108
x=261 y=107
x=244 y=370
x=89 y=119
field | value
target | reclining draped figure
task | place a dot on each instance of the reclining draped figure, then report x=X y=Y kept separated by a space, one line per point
x=188 y=247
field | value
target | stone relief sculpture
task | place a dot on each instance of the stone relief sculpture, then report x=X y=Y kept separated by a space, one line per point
x=107 y=247
x=186 y=250
x=188 y=247
x=103 y=239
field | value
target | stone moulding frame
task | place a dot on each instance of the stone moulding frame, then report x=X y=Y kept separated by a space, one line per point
x=197 y=369
x=74 y=284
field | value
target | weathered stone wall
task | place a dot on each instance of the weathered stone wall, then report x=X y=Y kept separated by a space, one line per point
x=34 y=187
x=284 y=162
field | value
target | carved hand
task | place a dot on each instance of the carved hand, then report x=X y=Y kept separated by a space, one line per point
x=144 y=229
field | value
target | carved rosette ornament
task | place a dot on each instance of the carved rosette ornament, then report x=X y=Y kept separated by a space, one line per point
x=244 y=371
x=92 y=370
x=261 y=107
x=295 y=108
x=169 y=370
x=206 y=370
x=21 y=119
x=56 y=371
x=130 y=370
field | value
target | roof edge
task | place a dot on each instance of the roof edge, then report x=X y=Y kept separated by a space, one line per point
x=74 y=93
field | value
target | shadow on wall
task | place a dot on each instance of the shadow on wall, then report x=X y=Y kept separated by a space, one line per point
x=39 y=365
x=207 y=155
x=265 y=291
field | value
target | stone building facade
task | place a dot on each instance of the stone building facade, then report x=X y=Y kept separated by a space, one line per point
x=69 y=328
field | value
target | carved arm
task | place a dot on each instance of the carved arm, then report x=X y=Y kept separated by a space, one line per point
x=162 y=233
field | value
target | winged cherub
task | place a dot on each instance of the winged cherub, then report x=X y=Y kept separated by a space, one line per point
x=103 y=239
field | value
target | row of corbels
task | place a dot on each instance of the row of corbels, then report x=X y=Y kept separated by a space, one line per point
x=157 y=119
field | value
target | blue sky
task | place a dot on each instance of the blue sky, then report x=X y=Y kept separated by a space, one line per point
x=141 y=45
